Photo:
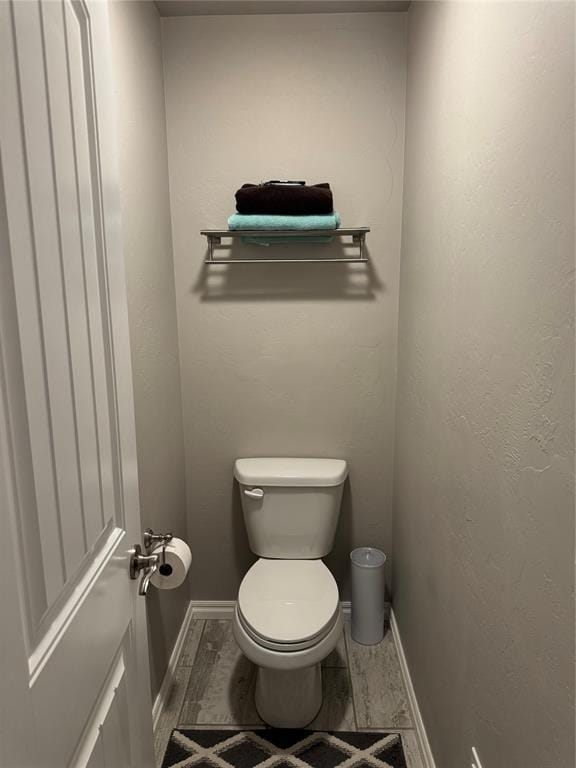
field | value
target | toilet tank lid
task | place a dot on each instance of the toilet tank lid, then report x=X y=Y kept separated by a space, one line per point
x=291 y=472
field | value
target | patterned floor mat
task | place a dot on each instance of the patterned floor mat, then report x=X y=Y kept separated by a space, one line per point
x=279 y=748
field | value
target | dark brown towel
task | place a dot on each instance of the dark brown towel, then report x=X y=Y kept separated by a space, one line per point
x=288 y=200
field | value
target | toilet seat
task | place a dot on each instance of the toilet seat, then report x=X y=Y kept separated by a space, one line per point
x=288 y=605
x=285 y=647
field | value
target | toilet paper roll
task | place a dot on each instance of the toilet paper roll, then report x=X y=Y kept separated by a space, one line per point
x=173 y=565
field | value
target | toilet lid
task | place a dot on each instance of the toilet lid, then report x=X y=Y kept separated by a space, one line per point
x=288 y=601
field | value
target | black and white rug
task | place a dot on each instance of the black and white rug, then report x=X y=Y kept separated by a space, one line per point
x=279 y=748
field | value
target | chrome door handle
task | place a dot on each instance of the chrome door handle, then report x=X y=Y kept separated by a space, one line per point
x=139 y=562
x=255 y=493
x=146 y=563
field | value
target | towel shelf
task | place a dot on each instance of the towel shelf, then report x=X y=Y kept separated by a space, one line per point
x=215 y=236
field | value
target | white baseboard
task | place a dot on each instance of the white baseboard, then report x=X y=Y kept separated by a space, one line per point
x=162 y=695
x=425 y=750
x=212 y=609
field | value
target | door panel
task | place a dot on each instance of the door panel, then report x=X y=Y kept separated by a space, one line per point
x=58 y=296
x=68 y=475
x=103 y=742
x=82 y=649
x=55 y=454
x=76 y=286
x=80 y=85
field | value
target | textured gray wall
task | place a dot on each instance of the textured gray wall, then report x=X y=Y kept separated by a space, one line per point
x=285 y=360
x=484 y=491
x=136 y=42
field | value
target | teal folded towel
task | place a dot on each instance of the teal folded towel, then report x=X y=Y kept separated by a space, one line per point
x=240 y=221
x=253 y=221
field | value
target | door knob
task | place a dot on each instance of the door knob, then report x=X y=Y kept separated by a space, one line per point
x=154 y=543
x=139 y=562
x=146 y=563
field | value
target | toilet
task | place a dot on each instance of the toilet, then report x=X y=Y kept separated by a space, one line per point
x=287 y=617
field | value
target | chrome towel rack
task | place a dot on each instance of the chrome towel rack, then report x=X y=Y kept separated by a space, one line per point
x=215 y=237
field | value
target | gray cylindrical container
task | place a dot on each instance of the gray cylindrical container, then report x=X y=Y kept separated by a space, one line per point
x=367 y=595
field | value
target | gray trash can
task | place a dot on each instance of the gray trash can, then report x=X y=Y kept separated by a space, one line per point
x=367 y=595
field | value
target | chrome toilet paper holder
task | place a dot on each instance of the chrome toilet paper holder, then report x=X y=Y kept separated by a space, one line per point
x=152 y=540
x=149 y=562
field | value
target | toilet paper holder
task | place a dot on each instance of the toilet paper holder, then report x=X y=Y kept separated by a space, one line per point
x=152 y=540
x=148 y=563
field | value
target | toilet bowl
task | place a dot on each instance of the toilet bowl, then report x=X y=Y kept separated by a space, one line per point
x=288 y=617
x=287 y=620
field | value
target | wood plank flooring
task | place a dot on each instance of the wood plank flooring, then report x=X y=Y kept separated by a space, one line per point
x=214 y=688
x=221 y=688
x=377 y=686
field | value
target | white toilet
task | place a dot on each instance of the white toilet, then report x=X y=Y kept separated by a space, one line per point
x=288 y=616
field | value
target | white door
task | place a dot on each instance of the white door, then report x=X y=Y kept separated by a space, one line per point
x=74 y=685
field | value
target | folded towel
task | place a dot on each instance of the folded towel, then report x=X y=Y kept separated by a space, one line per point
x=288 y=199
x=328 y=221
x=282 y=223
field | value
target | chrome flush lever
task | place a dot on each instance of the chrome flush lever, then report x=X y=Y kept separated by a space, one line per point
x=254 y=493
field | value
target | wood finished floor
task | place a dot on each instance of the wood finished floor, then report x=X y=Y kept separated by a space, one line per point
x=214 y=688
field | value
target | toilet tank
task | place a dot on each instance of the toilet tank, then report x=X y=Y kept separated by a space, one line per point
x=291 y=506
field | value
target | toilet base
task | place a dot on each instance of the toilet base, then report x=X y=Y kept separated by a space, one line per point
x=289 y=698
